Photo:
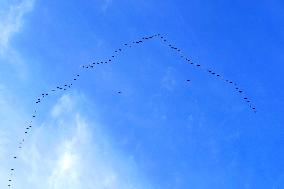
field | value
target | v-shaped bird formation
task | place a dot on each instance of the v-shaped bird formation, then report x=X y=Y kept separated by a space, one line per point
x=164 y=41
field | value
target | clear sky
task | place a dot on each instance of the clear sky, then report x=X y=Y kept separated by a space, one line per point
x=161 y=131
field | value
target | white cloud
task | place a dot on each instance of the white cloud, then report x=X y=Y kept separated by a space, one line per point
x=78 y=154
x=64 y=105
x=12 y=21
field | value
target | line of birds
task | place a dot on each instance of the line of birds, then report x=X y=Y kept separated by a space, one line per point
x=183 y=57
x=70 y=84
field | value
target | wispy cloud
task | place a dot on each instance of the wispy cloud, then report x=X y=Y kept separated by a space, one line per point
x=70 y=151
x=12 y=21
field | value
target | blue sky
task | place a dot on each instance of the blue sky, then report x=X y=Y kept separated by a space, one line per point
x=161 y=131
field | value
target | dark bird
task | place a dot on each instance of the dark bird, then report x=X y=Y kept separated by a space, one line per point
x=12 y=169
x=240 y=91
x=213 y=73
x=78 y=75
x=230 y=82
x=119 y=92
x=15 y=157
x=10 y=180
x=33 y=115
x=245 y=98
x=188 y=80
x=218 y=75
x=74 y=79
x=198 y=65
x=26 y=132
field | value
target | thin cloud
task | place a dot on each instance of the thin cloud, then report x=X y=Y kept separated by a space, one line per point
x=12 y=21
x=72 y=152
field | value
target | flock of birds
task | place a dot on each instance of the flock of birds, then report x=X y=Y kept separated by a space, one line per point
x=111 y=59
